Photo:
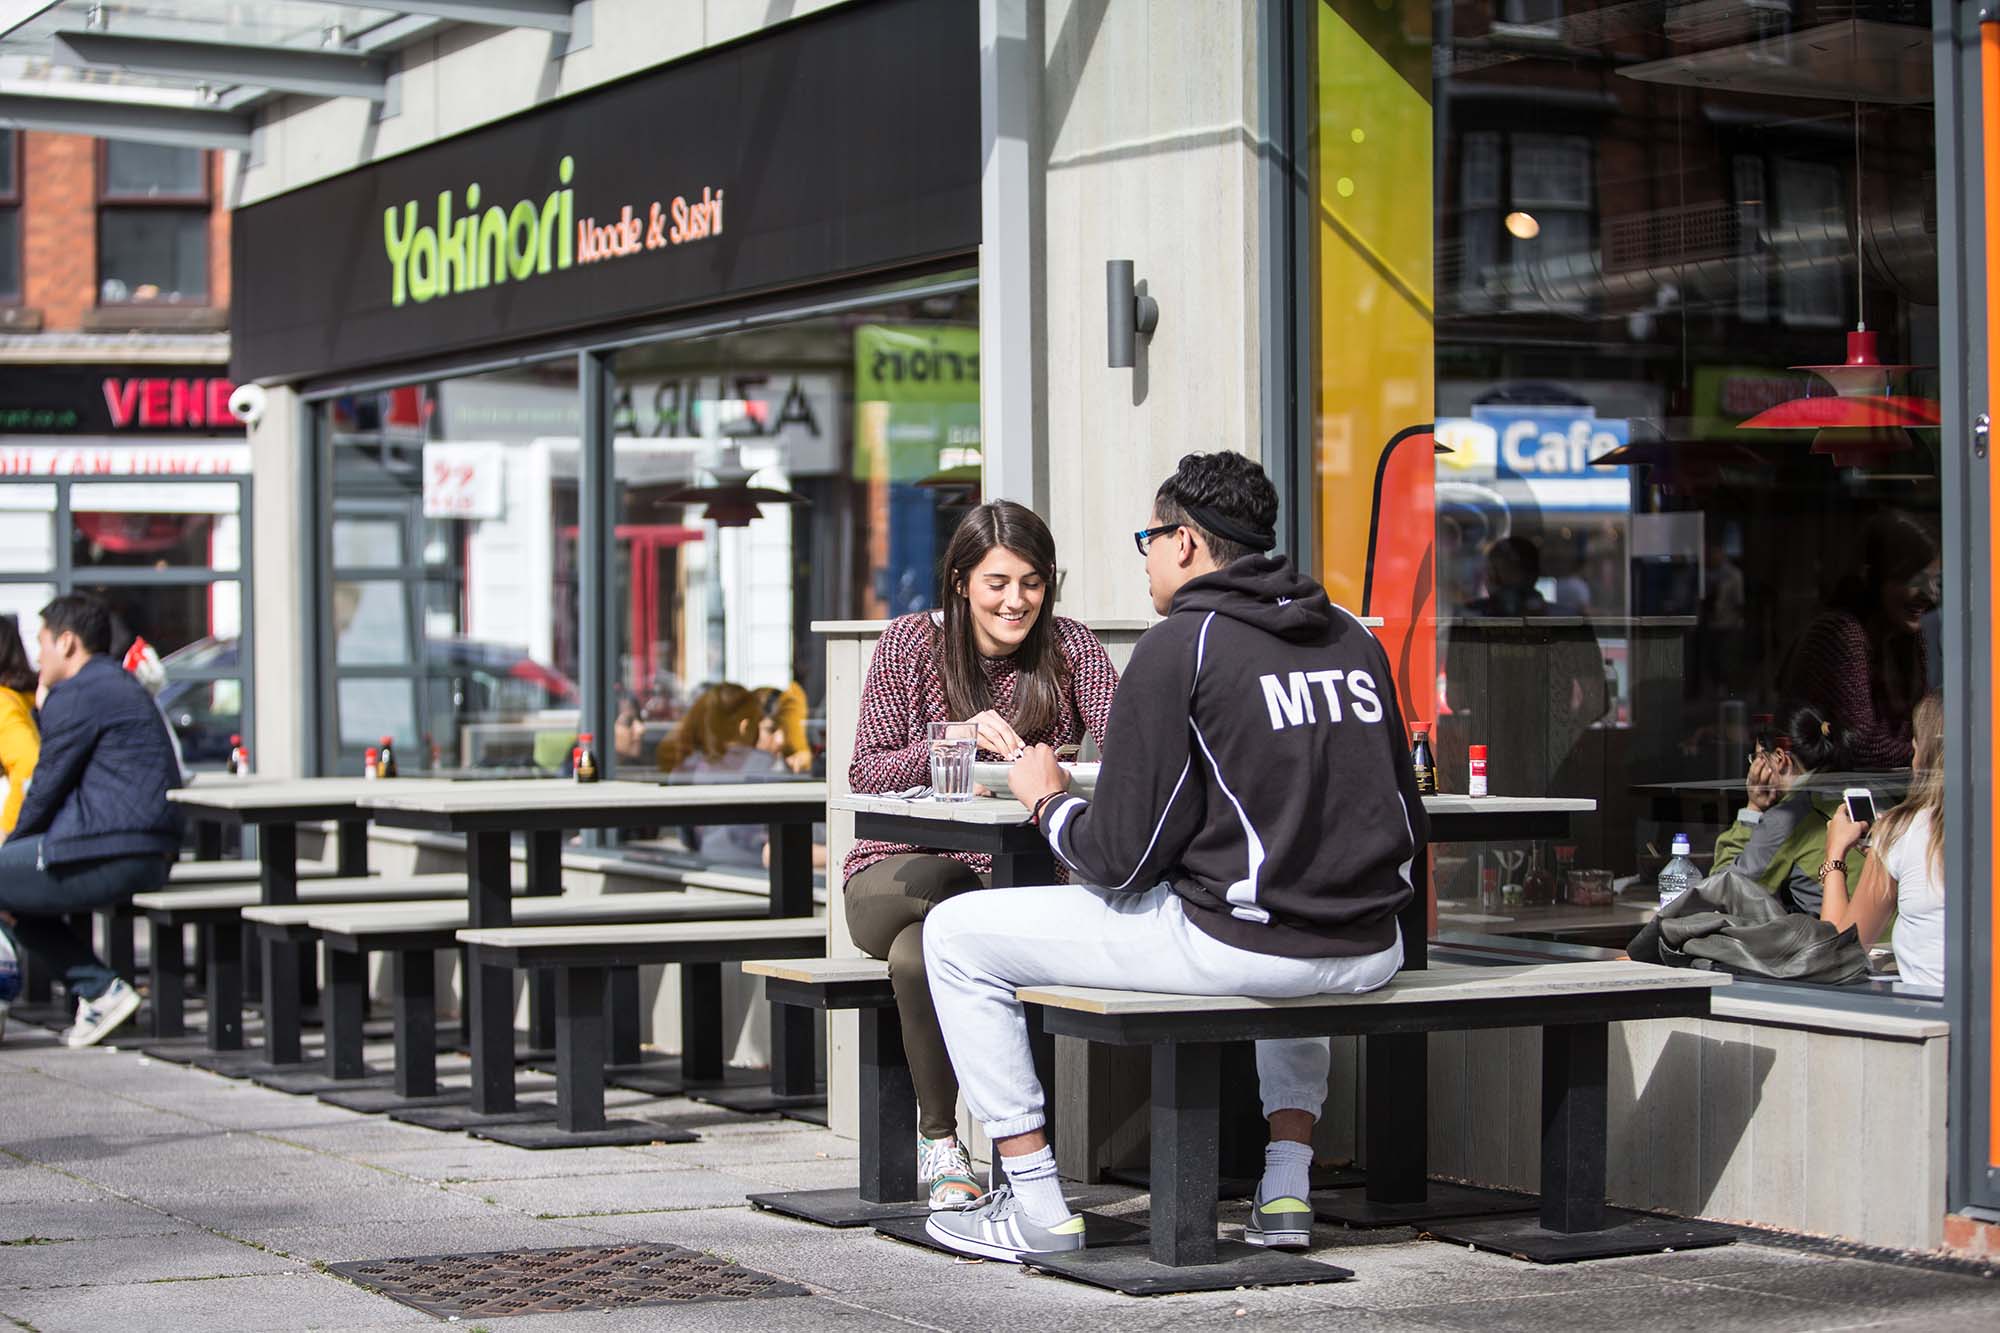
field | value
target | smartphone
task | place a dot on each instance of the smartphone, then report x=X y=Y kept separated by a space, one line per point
x=1860 y=804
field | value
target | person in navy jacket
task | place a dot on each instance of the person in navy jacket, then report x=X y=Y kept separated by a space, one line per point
x=96 y=827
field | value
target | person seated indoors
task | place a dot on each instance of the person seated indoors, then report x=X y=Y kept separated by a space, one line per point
x=1252 y=833
x=1904 y=879
x=1779 y=838
x=995 y=655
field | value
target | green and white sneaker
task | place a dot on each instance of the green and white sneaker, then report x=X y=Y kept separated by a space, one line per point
x=945 y=1167
x=1281 y=1224
x=996 y=1227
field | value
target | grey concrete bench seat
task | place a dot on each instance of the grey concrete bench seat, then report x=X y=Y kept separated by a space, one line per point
x=218 y=910
x=203 y=873
x=581 y=957
x=1572 y=1003
x=411 y=933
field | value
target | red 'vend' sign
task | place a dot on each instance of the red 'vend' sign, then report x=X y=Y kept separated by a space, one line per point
x=157 y=404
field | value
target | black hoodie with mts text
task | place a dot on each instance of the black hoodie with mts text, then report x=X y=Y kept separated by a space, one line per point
x=1256 y=761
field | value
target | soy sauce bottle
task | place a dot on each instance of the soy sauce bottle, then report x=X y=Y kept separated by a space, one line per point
x=1425 y=763
x=586 y=759
x=385 y=759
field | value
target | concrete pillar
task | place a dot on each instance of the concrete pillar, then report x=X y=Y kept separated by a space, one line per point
x=278 y=445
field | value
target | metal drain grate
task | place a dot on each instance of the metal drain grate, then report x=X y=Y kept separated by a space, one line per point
x=609 y=1277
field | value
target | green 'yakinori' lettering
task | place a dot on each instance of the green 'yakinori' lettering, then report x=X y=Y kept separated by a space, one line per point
x=474 y=249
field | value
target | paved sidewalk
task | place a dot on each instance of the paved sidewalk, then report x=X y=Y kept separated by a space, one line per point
x=137 y=1196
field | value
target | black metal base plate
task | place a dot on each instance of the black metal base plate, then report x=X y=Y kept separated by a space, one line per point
x=759 y=1100
x=1241 y=1187
x=806 y=1115
x=1352 y=1207
x=177 y=1050
x=544 y=1134
x=836 y=1208
x=252 y=1063
x=1131 y=1269
x=1098 y=1230
x=304 y=1084
x=1624 y=1233
x=473 y=1286
x=383 y=1099
x=459 y=1119
x=662 y=1077
x=49 y=1015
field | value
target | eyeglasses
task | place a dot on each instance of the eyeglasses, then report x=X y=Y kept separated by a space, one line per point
x=1145 y=535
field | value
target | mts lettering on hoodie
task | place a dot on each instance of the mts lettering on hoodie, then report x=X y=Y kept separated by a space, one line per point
x=1290 y=697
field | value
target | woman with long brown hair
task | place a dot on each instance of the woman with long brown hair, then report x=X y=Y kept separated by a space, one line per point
x=992 y=655
x=1904 y=877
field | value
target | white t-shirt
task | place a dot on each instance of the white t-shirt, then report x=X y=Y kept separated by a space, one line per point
x=1919 y=937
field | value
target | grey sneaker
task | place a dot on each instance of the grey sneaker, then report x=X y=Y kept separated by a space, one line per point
x=1281 y=1224
x=996 y=1227
x=96 y=1018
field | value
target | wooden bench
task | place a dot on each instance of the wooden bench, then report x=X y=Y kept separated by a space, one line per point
x=1571 y=1002
x=888 y=1185
x=580 y=956
x=412 y=933
x=218 y=912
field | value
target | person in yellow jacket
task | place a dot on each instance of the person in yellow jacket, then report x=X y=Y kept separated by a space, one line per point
x=20 y=738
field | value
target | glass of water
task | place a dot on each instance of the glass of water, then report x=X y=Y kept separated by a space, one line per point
x=952 y=747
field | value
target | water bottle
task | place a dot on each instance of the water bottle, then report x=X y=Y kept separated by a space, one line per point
x=1678 y=875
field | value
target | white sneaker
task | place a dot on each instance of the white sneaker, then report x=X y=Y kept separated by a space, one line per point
x=945 y=1168
x=96 y=1018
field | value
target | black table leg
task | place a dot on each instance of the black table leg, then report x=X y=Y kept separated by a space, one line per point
x=1013 y=870
x=119 y=924
x=207 y=840
x=490 y=990
x=1574 y=1222
x=281 y=1002
x=223 y=944
x=580 y=1048
x=414 y=981
x=794 y=1072
x=621 y=1010
x=351 y=848
x=169 y=984
x=1186 y=1101
x=345 y=1007
x=701 y=1022
x=1397 y=1106
x=544 y=881
x=888 y=1186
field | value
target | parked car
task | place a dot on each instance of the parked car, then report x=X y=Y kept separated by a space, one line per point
x=474 y=680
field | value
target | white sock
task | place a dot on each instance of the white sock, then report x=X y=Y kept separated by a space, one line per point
x=1033 y=1177
x=1287 y=1171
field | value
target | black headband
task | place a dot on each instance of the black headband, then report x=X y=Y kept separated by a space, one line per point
x=1229 y=529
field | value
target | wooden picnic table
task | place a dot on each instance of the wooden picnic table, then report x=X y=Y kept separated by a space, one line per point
x=276 y=807
x=545 y=810
x=1397 y=1079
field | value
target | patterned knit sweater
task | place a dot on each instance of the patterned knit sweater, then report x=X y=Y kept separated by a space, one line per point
x=904 y=692
x=1831 y=669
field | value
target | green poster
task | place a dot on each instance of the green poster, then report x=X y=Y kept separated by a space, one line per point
x=916 y=399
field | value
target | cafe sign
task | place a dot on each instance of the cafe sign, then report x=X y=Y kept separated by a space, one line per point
x=843 y=144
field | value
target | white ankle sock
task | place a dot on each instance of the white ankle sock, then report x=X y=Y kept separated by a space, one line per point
x=1287 y=1171
x=1033 y=1177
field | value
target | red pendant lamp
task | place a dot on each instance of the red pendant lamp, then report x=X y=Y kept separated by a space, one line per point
x=1861 y=421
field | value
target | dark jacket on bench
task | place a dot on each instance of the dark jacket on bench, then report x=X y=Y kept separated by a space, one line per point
x=1256 y=759
x=101 y=784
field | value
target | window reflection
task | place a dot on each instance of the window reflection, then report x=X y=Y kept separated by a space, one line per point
x=1637 y=456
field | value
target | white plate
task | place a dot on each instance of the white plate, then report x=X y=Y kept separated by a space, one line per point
x=994 y=776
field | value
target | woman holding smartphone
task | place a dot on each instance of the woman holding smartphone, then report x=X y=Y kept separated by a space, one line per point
x=1904 y=879
x=995 y=656
x=1779 y=838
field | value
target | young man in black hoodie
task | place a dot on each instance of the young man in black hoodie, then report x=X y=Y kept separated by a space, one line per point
x=1252 y=833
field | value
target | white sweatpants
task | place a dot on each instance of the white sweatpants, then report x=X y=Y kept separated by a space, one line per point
x=980 y=947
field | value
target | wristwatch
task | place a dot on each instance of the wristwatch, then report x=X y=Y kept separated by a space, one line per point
x=1828 y=867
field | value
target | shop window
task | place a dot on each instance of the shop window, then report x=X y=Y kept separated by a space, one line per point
x=453 y=627
x=10 y=216
x=1632 y=569
x=152 y=224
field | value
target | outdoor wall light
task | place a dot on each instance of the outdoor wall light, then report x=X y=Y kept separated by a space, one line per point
x=1127 y=314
